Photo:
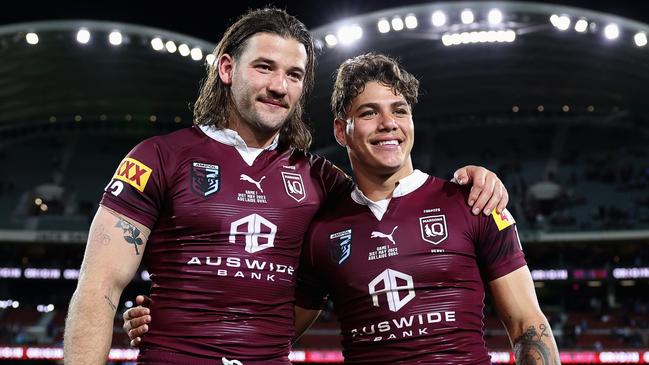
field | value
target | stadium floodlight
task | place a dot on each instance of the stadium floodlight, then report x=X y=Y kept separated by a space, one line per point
x=115 y=38
x=397 y=23
x=183 y=49
x=581 y=25
x=411 y=21
x=467 y=16
x=196 y=54
x=31 y=38
x=331 y=40
x=438 y=18
x=210 y=59
x=83 y=36
x=171 y=46
x=349 y=33
x=157 y=44
x=554 y=20
x=383 y=25
x=494 y=16
x=15 y=304
x=611 y=31
x=491 y=36
x=640 y=39
x=563 y=22
x=509 y=36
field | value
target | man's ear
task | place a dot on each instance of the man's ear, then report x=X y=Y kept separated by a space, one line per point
x=340 y=131
x=226 y=66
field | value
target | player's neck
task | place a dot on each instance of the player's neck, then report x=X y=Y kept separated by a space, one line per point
x=378 y=187
x=253 y=137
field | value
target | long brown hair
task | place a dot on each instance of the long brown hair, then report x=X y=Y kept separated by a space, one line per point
x=214 y=104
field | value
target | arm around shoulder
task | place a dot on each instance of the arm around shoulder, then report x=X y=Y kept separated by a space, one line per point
x=113 y=253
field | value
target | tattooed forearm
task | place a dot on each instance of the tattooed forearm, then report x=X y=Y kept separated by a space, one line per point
x=110 y=302
x=131 y=234
x=533 y=347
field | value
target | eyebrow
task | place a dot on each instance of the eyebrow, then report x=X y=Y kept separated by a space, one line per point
x=377 y=105
x=272 y=62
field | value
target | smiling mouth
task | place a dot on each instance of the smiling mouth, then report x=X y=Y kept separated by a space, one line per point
x=391 y=142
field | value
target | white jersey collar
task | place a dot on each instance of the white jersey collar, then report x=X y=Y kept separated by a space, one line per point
x=232 y=138
x=405 y=186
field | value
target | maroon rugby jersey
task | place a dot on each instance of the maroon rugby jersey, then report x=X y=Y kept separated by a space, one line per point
x=408 y=288
x=225 y=241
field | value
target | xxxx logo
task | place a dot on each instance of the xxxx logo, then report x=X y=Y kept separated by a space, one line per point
x=133 y=172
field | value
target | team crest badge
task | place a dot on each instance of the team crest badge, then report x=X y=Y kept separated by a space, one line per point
x=205 y=179
x=294 y=186
x=433 y=228
x=340 y=246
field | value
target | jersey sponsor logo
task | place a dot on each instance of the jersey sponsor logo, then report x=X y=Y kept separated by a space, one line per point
x=411 y=325
x=114 y=187
x=340 y=245
x=250 y=195
x=255 y=229
x=133 y=172
x=433 y=228
x=294 y=186
x=503 y=220
x=386 y=250
x=387 y=283
x=377 y=234
x=205 y=179
x=231 y=362
x=244 y=177
x=245 y=268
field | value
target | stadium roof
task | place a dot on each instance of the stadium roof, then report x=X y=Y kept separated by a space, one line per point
x=545 y=67
x=559 y=71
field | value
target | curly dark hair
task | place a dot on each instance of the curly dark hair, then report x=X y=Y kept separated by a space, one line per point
x=355 y=72
x=214 y=104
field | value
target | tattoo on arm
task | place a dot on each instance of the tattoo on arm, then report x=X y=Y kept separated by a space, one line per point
x=131 y=234
x=100 y=236
x=110 y=302
x=530 y=348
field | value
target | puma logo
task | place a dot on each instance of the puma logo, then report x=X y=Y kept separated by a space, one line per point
x=376 y=234
x=247 y=178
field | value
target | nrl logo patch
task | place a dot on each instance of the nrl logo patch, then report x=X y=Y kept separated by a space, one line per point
x=433 y=228
x=205 y=179
x=294 y=186
x=340 y=246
